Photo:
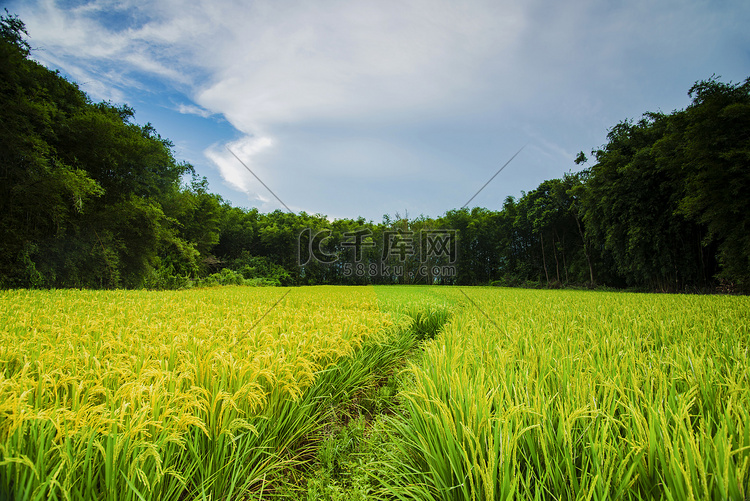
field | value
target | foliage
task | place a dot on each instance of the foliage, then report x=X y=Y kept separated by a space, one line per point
x=346 y=466
x=81 y=190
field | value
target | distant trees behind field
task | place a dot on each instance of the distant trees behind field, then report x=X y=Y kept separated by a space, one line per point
x=90 y=199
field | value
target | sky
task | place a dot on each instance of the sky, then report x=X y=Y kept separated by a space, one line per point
x=364 y=108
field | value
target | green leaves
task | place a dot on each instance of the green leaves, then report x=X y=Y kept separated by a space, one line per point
x=13 y=31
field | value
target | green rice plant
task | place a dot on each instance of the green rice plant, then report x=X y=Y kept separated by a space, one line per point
x=167 y=395
x=517 y=394
x=427 y=322
x=579 y=395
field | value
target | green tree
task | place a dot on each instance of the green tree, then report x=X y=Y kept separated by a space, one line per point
x=41 y=195
x=81 y=187
x=713 y=158
x=632 y=208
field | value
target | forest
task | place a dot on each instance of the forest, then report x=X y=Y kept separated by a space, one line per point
x=91 y=199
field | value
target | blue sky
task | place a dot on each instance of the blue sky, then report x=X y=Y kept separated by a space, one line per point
x=362 y=108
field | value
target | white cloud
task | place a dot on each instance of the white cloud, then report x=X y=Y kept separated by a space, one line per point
x=66 y=37
x=317 y=88
x=191 y=109
x=346 y=61
x=248 y=149
x=279 y=63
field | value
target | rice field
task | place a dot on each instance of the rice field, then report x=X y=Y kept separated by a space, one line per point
x=579 y=395
x=163 y=395
x=508 y=394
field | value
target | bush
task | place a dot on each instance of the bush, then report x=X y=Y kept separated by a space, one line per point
x=231 y=277
x=261 y=267
x=165 y=277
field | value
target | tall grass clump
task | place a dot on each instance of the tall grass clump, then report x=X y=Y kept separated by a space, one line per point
x=425 y=309
x=579 y=395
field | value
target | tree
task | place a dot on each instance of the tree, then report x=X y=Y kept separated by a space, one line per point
x=632 y=205
x=81 y=187
x=714 y=133
x=575 y=190
x=41 y=195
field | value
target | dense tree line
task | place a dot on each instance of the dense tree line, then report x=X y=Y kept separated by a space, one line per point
x=91 y=199
x=88 y=198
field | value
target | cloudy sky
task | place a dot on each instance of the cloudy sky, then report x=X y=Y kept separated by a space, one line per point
x=362 y=108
